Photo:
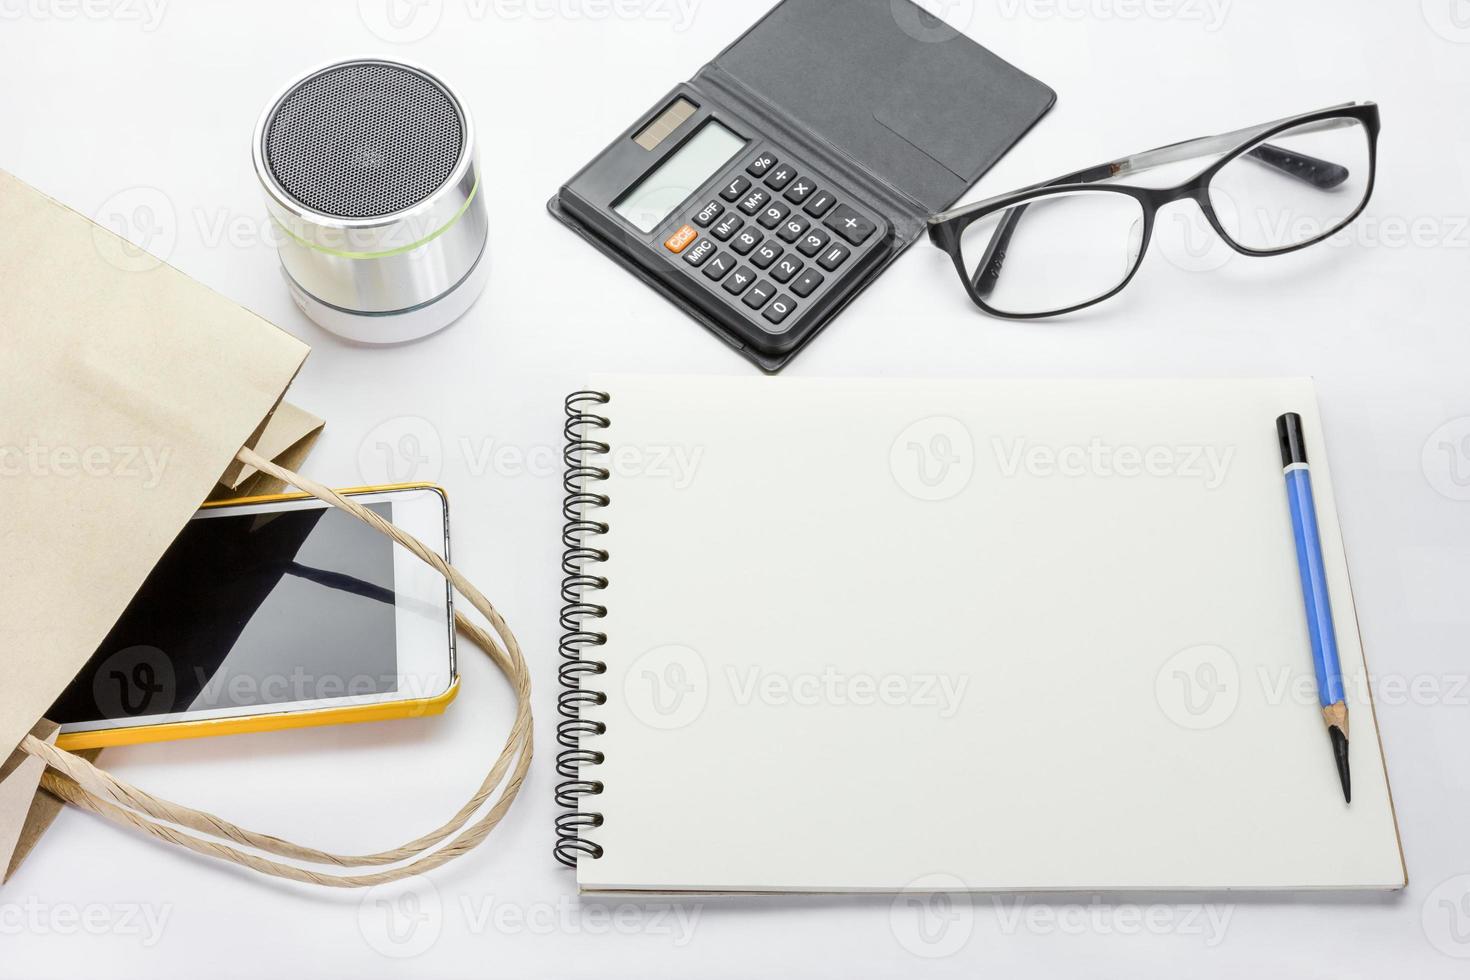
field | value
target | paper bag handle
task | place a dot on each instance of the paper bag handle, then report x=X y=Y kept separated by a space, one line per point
x=78 y=782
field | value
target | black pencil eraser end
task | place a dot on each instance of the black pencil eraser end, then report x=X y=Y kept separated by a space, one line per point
x=1293 y=440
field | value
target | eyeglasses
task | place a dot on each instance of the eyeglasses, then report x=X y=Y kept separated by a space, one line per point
x=1069 y=243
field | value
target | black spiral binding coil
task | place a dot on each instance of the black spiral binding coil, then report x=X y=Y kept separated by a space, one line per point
x=578 y=616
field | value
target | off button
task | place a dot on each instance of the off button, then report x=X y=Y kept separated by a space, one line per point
x=681 y=239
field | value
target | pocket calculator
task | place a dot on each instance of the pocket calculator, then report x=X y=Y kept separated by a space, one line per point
x=766 y=193
x=762 y=245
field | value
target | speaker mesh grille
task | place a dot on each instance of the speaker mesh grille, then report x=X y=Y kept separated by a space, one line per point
x=364 y=140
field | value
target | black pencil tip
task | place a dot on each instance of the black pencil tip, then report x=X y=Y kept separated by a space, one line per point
x=1340 y=752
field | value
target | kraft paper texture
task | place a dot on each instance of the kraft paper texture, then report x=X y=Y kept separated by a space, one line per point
x=126 y=388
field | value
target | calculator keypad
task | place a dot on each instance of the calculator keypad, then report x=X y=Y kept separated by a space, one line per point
x=771 y=238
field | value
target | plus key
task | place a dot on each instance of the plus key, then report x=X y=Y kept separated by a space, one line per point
x=850 y=225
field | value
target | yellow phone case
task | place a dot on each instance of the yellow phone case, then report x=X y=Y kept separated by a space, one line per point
x=353 y=714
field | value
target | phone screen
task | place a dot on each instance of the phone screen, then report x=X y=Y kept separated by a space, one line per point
x=250 y=610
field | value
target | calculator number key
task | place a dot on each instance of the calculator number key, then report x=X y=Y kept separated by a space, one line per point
x=727 y=227
x=808 y=283
x=709 y=213
x=772 y=216
x=765 y=255
x=850 y=225
x=759 y=295
x=754 y=201
x=787 y=268
x=816 y=239
x=834 y=257
x=719 y=267
x=745 y=241
x=761 y=165
x=782 y=308
x=735 y=189
x=794 y=228
x=740 y=281
x=697 y=255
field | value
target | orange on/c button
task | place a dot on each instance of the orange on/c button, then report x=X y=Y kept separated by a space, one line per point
x=681 y=239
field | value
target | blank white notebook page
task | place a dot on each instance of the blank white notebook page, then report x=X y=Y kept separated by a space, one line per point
x=1027 y=635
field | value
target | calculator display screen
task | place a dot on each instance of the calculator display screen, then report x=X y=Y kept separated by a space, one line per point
x=656 y=196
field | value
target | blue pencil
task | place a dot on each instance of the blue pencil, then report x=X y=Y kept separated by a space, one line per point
x=1330 y=689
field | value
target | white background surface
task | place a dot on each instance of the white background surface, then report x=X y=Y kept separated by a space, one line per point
x=144 y=114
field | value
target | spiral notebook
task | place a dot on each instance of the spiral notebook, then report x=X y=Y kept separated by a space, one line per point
x=829 y=636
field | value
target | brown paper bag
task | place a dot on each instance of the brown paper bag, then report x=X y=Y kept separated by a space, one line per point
x=20 y=775
x=287 y=440
x=129 y=394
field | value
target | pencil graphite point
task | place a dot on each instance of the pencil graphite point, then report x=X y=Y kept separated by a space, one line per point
x=1340 y=752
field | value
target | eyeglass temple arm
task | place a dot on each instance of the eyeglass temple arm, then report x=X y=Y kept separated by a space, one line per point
x=1174 y=152
x=1322 y=174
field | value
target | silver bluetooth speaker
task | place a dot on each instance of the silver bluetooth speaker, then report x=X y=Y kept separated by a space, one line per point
x=371 y=180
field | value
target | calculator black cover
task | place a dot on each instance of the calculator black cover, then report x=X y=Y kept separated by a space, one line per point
x=904 y=109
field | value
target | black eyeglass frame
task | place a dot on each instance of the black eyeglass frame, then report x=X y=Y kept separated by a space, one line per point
x=947 y=230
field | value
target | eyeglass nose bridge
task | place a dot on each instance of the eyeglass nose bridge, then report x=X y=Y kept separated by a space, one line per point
x=1164 y=196
x=1197 y=191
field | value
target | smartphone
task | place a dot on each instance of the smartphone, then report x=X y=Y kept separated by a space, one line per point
x=275 y=612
